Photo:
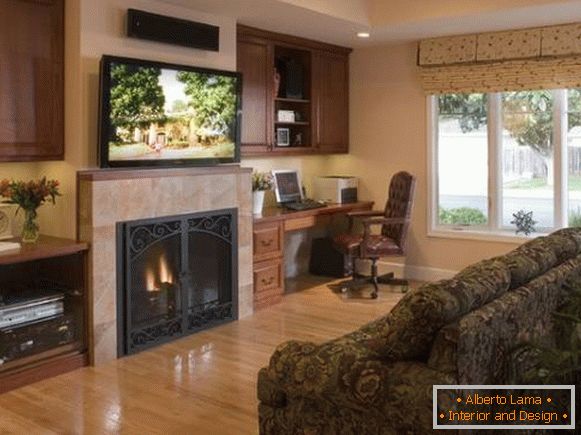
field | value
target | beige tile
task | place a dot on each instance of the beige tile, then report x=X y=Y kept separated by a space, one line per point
x=104 y=203
x=245 y=301
x=105 y=343
x=245 y=265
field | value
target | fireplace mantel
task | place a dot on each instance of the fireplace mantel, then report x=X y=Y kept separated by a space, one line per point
x=129 y=174
x=109 y=196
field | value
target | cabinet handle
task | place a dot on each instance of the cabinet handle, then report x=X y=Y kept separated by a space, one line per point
x=266 y=243
x=267 y=281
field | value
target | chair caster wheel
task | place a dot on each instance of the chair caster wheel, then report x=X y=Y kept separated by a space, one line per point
x=344 y=290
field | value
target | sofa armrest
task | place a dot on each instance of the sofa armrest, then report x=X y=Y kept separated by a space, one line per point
x=344 y=373
x=305 y=369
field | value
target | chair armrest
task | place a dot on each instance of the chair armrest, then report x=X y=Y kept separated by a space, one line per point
x=367 y=223
x=362 y=214
x=383 y=221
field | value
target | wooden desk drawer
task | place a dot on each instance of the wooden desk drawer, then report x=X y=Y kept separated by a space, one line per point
x=268 y=283
x=268 y=277
x=299 y=223
x=268 y=241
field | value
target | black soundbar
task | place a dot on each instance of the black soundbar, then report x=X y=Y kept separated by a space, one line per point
x=169 y=30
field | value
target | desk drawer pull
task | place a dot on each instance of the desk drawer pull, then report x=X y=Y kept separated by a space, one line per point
x=266 y=243
x=268 y=281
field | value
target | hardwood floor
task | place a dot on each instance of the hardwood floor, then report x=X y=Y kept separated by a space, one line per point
x=202 y=384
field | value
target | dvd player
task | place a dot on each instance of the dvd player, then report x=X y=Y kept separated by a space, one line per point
x=20 y=310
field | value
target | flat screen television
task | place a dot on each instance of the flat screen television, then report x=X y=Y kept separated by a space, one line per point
x=160 y=114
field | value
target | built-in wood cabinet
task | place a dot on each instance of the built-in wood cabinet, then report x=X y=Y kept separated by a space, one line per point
x=31 y=80
x=254 y=59
x=43 y=310
x=268 y=271
x=332 y=126
x=316 y=92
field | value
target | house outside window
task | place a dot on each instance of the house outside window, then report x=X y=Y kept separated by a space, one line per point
x=495 y=154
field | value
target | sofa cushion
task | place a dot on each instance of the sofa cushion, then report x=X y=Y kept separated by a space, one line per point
x=476 y=347
x=408 y=331
x=541 y=254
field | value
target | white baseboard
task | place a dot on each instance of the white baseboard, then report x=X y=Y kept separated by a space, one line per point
x=416 y=273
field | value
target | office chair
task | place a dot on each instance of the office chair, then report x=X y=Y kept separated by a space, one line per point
x=390 y=242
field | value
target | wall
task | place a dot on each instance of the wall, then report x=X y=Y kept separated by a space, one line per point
x=384 y=12
x=387 y=120
x=94 y=28
x=388 y=134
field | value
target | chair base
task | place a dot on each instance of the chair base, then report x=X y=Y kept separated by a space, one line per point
x=359 y=281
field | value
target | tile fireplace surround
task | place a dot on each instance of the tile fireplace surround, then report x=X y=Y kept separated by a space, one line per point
x=109 y=196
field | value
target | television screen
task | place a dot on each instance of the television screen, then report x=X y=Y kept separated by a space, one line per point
x=157 y=114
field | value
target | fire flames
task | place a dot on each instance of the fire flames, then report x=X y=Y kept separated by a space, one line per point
x=154 y=278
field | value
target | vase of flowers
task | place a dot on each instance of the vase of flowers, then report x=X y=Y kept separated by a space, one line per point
x=29 y=196
x=261 y=182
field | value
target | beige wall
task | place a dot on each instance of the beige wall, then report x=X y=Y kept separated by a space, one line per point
x=387 y=120
x=388 y=134
x=383 y=12
x=94 y=28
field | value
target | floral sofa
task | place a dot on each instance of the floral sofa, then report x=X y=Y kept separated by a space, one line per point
x=378 y=379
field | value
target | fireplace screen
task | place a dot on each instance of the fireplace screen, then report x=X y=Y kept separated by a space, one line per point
x=176 y=275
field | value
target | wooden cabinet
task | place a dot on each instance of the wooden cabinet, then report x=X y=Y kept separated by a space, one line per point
x=332 y=96
x=268 y=274
x=31 y=80
x=255 y=61
x=43 y=311
x=315 y=89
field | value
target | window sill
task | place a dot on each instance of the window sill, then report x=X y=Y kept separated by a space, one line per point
x=487 y=236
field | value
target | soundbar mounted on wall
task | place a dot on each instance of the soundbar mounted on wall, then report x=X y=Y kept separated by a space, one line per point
x=169 y=30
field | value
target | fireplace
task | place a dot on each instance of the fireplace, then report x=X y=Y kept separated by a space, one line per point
x=176 y=275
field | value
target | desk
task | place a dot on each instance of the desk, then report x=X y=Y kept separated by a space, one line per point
x=268 y=245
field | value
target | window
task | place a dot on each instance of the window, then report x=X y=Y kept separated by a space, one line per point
x=462 y=155
x=496 y=154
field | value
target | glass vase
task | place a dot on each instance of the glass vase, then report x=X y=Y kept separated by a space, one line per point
x=30 y=227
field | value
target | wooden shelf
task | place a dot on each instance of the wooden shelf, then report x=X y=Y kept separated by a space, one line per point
x=323 y=72
x=57 y=344
x=45 y=247
x=292 y=100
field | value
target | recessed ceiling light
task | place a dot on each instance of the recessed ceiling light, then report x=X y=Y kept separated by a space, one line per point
x=363 y=34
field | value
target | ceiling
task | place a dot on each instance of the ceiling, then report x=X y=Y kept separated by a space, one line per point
x=388 y=21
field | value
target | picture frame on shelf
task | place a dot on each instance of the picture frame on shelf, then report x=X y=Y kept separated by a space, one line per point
x=285 y=116
x=282 y=137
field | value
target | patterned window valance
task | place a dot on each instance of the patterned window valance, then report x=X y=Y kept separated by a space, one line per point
x=542 y=58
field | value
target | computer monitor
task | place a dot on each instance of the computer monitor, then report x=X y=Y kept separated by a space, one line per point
x=287 y=185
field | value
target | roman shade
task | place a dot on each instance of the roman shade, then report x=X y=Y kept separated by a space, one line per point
x=540 y=58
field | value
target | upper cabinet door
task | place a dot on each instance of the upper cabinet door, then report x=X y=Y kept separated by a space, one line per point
x=31 y=80
x=331 y=87
x=255 y=62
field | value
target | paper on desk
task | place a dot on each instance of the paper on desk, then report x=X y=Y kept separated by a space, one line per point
x=8 y=246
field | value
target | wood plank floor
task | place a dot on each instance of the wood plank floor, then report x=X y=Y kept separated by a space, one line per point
x=202 y=384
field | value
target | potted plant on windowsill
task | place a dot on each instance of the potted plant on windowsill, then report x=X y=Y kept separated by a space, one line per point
x=261 y=182
x=29 y=195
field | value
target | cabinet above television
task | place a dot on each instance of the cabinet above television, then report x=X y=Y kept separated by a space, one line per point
x=32 y=80
x=295 y=95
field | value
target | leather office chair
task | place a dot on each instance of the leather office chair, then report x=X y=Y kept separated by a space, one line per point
x=390 y=242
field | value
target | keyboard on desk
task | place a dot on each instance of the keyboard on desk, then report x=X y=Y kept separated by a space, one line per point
x=305 y=204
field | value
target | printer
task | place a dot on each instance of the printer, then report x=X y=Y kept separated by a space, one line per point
x=335 y=189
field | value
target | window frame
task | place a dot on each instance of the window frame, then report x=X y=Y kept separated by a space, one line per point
x=494 y=230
